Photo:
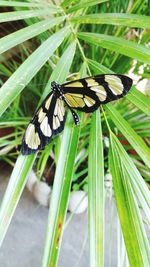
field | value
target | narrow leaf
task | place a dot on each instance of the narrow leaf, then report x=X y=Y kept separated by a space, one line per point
x=140 y=100
x=63 y=175
x=60 y=195
x=133 y=138
x=85 y=4
x=98 y=68
x=22 y=76
x=119 y=19
x=25 y=4
x=127 y=205
x=18 y=15
x=14 y=190
x=117 y=44
x=21 y=170
x=24 y=34
x=61 y=71
x=96 y=192
x=66 y=3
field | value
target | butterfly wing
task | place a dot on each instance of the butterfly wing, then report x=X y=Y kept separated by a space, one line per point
x=48 y=121
x=85 y=94
x=89 y=93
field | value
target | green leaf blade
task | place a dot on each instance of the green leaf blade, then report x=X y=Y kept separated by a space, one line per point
x=27 y=33
x=140 y=100
x=61 y=71
x=14 y=191
x=60 y=195
x=85 y=4
x=133 y=138
x=18 y=15
x=24 y=4
x=119 y=19
x=64 y=170
x=127 y=205
x=96 y=192
x=24 y=163
x=22 y=76
x=98 y=68
x=117 y=44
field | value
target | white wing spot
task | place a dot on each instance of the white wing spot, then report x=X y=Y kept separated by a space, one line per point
x=91 y=82
x=48 y=101
x=74 y=84
x=56 y=123
x=56 y=108
x=115 y=84
x=61 y=110
x=31 y=137
x=100 y=92
x=41 y=115
x=45 y=128
x=87 y=102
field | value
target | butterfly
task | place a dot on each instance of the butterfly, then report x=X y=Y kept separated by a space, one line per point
x=85 y=94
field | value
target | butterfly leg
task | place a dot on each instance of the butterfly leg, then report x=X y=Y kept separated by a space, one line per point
x=75 y=117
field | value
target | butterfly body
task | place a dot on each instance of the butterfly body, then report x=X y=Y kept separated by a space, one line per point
x=57 y=90
x=84 y=95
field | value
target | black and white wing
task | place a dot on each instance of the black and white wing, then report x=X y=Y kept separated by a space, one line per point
x=48 y=121
x=85 y=95
x=89 y=93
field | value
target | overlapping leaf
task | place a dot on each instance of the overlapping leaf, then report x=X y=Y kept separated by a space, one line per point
x=117 y=44
x=23 y=75
x=124 y=173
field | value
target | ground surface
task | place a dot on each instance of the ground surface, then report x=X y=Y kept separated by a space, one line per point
x=24 y=242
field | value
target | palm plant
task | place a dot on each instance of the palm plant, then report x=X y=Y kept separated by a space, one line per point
x=82 y=38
